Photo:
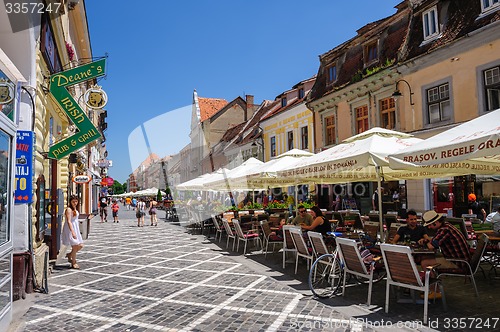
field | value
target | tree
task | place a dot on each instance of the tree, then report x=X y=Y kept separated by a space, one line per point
x=158 y=196
x=117 y=188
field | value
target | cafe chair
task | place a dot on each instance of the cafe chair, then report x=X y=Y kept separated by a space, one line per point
x=302 y=249
x=393 y=231
x=249 y=235
x=402 y=272
x=218 y=227
x=470 y=267
x=229 y=232
x=288 y=245
x=318 y=245
x=268 y=237
x=371 y=228
x=354 y=264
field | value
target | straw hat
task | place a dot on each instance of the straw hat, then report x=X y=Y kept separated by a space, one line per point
x=431 y=217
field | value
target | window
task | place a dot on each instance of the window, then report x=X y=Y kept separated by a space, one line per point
x=487 y=5
x=304 y=137
x=492 y=87
x=330 y=130
x=301 y=93
x=371 y=52
x=388 y=113
x=273 y=146
x=430 y=22
x=438 y=103
x=283 y=102
x=332 y=74
x=361 y=119
x=290 y=140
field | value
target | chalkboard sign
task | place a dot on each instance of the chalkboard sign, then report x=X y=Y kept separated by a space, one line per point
x=40 y=206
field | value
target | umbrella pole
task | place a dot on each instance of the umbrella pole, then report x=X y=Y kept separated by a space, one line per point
x=379 y=192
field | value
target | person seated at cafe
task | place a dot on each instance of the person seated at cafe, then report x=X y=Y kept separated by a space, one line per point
x=412 y=231
x=494 y=219
x=475 y=207
x=319 y=224
x=278 y=234
x=302 y=217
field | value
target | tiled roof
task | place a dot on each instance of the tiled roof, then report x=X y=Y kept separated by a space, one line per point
x=210 y=106
x=462 y=17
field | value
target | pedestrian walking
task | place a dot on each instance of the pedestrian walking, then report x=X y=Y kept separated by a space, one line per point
x=71 y=231
x=114 y=209
x=139 y=212
x=152 y=212
x=103 y=208
x=128 y=201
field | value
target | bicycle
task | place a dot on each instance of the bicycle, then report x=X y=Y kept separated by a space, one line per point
x=327 y=272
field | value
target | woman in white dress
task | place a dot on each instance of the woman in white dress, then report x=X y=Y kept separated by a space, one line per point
x=71 y=231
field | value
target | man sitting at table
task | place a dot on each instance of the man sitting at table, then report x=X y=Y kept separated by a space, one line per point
x=302 y=217
x=412 y=229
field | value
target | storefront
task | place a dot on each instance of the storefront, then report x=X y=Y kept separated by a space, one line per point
x=10 y=80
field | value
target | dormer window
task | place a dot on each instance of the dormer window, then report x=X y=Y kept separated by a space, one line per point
x=430 y=22
x=487 y=5
x=371 y=52
x=283 y=102
x=332 y=73
x=301 y=93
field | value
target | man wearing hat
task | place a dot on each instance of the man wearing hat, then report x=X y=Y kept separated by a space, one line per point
x=448 y=238
x=475 y=208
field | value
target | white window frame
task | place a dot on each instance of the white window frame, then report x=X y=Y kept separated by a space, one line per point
x=432 y=12
x=439 y=102
x=489 y=5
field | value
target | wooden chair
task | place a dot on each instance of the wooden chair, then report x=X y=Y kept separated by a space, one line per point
x=393 y=231
x=471 y=267
x=288 y=245
x=229 y=232
x=318 y=245
x=268 y=236
x=249 y=235
x=403 y=272
x=389 y=219
x=354 y=264
x=371 y=228
x=301 y=246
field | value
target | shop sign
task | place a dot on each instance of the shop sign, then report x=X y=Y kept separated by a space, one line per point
x=107 y=182
x=87 y=132
x=105 y=163
x=95 y=98
x=24 y=167
x=81 y=179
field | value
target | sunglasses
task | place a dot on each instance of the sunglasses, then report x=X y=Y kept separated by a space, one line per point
x=302 y=211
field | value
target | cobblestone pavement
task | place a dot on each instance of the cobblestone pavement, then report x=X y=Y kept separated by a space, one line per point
x=166 y=279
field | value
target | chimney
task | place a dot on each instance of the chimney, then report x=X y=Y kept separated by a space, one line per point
x=249 y=108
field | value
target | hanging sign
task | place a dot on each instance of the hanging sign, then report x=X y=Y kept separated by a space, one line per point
x=87 y=132
x=24 y=167
x=81 y=179
x=95 y=98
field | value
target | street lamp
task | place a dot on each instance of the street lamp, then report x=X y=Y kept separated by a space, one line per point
x=398 y=94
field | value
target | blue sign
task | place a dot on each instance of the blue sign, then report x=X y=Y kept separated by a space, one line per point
x=24 y=167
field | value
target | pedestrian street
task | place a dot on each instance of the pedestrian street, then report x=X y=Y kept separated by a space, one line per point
x=165 y=279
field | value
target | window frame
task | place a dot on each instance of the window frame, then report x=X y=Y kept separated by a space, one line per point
x=283 y=101
x=331 y=73
x=425 y=104
x=289 y=140
x=391 y=109
x=367 y=49
x=486 y=87
x=491 y=6
x=426 y=29
x=272 y=143
x=364 y=117
x=438 y=102
x=304 y=137
x=301 y=93
x=330 y=127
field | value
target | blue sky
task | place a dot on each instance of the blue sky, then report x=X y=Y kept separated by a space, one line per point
x=160 y=51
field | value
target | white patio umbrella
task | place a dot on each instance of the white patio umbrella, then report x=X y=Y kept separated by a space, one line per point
x=470 y=148
x=194 y=184
x=223 y=181
x=362 y=157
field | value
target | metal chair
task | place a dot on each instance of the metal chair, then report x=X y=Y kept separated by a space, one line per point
x=288 y=245
x=470 y=267
x=301 y=246
x=229 y=232
x=244 y=236
x=354 y=264
x=318 y=245
x=403 y=272
x=268 y=236
x=218 y=228
x=371 y=228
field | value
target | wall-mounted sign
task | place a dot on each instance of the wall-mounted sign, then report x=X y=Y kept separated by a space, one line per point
x=104 y=163
x=81 y=179
x=24 y=167
x=6 y=92
x=95 y=98
x=87 y=132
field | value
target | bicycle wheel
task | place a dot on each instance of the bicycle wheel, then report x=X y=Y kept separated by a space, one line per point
x=378 y=274
x=325 y=276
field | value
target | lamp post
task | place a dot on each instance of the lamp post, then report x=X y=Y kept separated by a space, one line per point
x=396 y=94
